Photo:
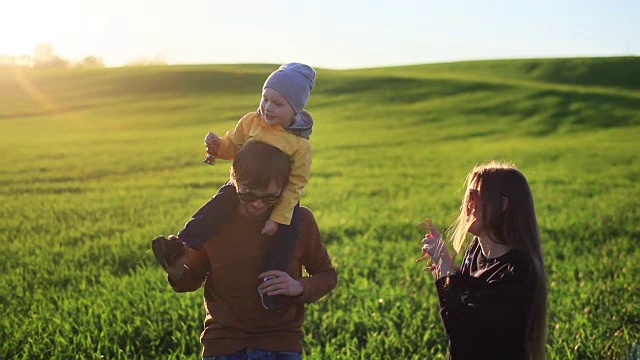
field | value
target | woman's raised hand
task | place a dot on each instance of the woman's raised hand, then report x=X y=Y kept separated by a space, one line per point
x=433 y=248
x=432 y=243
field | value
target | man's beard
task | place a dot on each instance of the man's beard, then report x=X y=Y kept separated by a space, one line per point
x=259 y=215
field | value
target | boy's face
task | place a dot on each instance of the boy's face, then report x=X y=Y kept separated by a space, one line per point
x=275 y=108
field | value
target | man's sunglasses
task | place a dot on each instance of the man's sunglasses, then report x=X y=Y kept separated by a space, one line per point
x=250 y=197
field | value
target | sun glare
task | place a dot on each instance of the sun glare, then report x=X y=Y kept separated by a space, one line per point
x=33 y=91
x=27 y=24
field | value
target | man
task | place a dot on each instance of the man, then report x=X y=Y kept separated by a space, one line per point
x=237 y=325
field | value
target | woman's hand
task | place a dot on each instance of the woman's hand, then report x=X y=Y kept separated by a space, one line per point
x=435 y=250
x=432 y=243
x=276 y=282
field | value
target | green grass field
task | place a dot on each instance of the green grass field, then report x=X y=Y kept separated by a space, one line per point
x=96 y=163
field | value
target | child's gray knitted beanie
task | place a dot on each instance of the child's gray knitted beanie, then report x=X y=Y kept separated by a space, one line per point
x=294 y=81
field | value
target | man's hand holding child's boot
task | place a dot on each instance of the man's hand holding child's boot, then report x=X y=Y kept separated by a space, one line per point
x=171 y=254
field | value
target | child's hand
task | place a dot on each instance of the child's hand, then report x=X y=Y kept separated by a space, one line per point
x=270 y=228
x=212 y=142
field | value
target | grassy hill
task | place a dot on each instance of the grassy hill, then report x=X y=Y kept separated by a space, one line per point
x=98 y=162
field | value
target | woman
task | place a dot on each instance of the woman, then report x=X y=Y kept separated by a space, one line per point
x=494 y=306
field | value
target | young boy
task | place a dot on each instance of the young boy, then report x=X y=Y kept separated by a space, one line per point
x=280 y=121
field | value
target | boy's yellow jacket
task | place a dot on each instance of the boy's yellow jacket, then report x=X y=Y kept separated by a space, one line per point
x=252 y=127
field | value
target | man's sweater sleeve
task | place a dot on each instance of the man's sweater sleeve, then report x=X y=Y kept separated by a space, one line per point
x=195 y=272
x=322 y=276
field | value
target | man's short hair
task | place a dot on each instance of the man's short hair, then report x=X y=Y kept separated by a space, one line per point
x=257 y=163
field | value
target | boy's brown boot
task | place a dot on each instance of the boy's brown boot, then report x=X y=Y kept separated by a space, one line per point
x=167 y=251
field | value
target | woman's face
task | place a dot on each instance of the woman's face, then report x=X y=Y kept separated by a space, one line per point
x=474 y=211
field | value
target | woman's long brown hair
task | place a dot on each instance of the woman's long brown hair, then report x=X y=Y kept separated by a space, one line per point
x=517 y=226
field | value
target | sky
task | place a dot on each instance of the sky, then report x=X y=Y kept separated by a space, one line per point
x=335 y=34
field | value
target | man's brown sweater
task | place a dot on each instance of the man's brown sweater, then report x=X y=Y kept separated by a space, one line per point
x=229 y=265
